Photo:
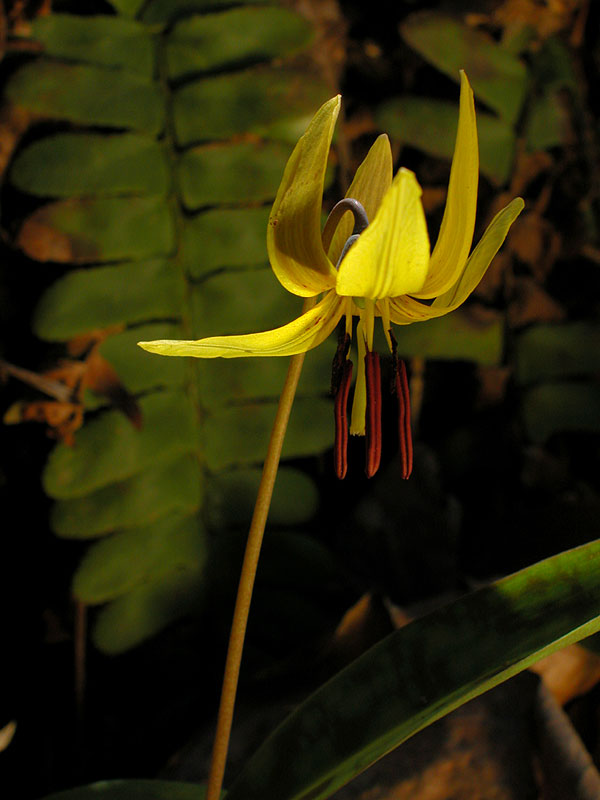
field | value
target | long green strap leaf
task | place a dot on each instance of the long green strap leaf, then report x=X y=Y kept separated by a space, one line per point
x=422 y=672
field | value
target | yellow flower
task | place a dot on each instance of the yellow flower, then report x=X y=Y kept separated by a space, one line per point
x=380 y=266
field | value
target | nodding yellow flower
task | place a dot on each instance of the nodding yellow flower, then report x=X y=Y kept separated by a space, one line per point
x=371 y=260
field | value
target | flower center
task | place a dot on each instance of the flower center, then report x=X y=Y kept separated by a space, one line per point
x=367 y=403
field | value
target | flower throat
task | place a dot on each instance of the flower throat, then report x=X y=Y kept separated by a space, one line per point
x=369 y=378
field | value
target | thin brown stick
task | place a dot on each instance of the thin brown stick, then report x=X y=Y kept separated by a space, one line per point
x=248 y=574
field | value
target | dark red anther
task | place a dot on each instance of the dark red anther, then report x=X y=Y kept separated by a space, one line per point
x=373 y=419
x=405 y=434
x=340 y=449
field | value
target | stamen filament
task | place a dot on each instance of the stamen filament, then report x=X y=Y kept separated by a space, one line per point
x=368 y=317
x=359 y=403
x=373 y=420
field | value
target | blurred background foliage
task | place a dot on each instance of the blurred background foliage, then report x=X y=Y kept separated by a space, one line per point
x=141 y=144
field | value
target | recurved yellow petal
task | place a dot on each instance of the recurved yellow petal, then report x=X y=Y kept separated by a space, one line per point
x=371 y=182
x=391 y=257
x=404 y=310
x=481 y=257
x=304 y=333
x=458 y=223
x=294 y=231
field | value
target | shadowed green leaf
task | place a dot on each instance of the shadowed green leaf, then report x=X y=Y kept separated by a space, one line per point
x=417 y=121
x=243 y=102
x=454 y=336
x=561 y=407
x=233 y=37
x=172 y=487
x=224 y=237
x=497 y=76
x=109 y=449
x=91 y=164
x=545 y=352
x=133 y=789
x=99 y=229
x=548 y=121
x=101 y=40
x=88 y=299
x=90 y=95
x=146 y=609
x=237 y=173
x=422 y=672
x=263 y=377
x=238 y=434
x=231 y=498
x=115 y=565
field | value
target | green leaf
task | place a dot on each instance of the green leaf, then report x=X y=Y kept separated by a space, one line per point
x=140 y=374
x=430 y=125
x=454 y=336
x=171 y=487
x=91 y=164
x=548 y=121
x=146 y=609
x=498 y=77
x=167 y=10
x=422 y=672
x=241 y=302
x=561 y=407
x=243 y=102
x=104 y=41
x=96 y=298
x=85 y=230
x=133 y=789
x=232 y=495
x=236 y=173
x=89 y=95
x=236 y=435
x=224 y=238
x=159 y=270
x=546 y=352
x=233 y=37
x=119 y=563
x=129 y=8
x=109 y=449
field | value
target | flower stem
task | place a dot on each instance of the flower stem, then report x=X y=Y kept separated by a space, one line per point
x=248 y=574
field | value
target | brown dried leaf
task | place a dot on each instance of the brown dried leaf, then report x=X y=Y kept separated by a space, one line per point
x=482 y=751
x=62 y=419
x=528 y=167
x=535 y=242
x=40 y=240
x=92 y=371
x=532 y=304
x=546 y=18
x=364 y=624
x=492 y=385
x=13 y=124
x=570 y=672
